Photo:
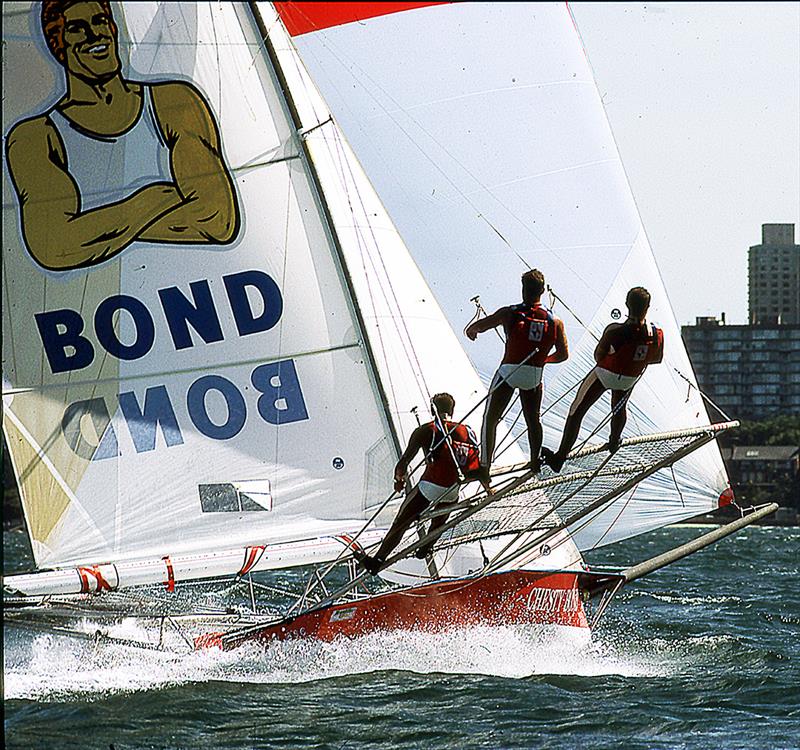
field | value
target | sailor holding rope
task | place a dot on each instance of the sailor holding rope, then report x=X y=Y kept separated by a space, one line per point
x=451 y=452
x=622 y=355
x=532 y=331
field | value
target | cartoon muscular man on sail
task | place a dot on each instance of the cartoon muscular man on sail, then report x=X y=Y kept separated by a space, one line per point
x=115 y=161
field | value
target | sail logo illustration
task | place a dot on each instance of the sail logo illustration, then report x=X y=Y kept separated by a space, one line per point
x=115 y=161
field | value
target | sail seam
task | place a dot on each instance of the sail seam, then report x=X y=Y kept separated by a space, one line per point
x=187 y=370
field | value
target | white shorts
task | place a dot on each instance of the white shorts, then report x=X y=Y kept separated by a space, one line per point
x=435 y=493
x=524 y=377
x=614 y=382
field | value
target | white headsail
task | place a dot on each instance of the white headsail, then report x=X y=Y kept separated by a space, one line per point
x=482 y=130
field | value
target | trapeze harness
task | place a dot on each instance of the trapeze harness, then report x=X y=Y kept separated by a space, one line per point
x=440 y=479
x=530 y=336
x=633 y=347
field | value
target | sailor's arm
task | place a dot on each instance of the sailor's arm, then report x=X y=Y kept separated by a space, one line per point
x=58 y=235
x=561 y=353
x=604 y=345
x=209 y=211
x=486 y=324
x=415 y=443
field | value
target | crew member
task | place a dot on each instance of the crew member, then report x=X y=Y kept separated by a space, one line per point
x=451 y=449
x=622 y=355
x=532 y=331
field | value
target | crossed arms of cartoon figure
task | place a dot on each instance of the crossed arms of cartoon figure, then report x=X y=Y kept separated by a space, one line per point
x=197 y=206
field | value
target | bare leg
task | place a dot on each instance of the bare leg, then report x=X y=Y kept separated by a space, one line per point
x=591 y=389
x=619 y=415
x=436 y=523
x=495 y=406
x=409 y=511
x=531 y=401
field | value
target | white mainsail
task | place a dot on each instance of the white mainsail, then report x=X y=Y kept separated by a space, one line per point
x=235 y=400
x=229 y=398
x=482 y=130
x=416 y=350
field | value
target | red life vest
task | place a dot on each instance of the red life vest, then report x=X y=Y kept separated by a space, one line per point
x=530 y=335
x=634 y=347
x=441 y=469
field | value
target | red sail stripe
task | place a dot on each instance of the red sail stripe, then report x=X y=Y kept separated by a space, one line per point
x=101 y=584
x=170 y=582
x=302 y=17
x=252 y=557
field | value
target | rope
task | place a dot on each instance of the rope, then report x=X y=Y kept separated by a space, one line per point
x=702 y=395
x=572 y=312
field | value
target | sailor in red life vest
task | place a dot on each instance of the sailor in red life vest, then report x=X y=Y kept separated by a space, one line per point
x=622 y=355
x=532 y=331
x=451 y=451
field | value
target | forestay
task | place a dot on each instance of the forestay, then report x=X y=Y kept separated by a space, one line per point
x=481 y=128
x=202 y=387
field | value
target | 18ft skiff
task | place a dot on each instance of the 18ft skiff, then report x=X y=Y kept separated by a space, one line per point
x=194 y=407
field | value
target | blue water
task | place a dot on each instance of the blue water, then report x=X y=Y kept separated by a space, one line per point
x=703 y=654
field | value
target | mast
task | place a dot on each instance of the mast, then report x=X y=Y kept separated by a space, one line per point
x=329 y=224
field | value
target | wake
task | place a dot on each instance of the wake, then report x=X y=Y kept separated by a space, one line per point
x=54 y=667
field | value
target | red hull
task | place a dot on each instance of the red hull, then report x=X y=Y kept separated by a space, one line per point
x=512 y=598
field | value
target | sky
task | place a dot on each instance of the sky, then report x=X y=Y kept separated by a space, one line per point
x=704 y=103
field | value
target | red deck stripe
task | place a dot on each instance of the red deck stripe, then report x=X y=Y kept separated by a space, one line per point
x=302 y=17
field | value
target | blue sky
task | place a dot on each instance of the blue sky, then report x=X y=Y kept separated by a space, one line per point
x=704 y=102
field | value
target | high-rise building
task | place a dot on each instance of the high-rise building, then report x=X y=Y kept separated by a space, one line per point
x=774 y=277
x=753 y=371
x=750 y=372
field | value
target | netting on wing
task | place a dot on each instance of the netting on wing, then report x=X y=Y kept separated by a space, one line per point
x=588 y=480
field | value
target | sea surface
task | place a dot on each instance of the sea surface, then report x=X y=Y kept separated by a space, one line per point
x=702 y=654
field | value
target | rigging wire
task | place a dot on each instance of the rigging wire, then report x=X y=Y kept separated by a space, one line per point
x=352 y=543
x=407 y=341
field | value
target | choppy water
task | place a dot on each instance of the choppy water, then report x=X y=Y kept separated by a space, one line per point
x=703 y=654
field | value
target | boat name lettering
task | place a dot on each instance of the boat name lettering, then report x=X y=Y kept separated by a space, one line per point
x=280 y=401
x=68 y=349
x=554 y=600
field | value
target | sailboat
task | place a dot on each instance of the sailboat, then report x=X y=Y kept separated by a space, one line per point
x=238 y=252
